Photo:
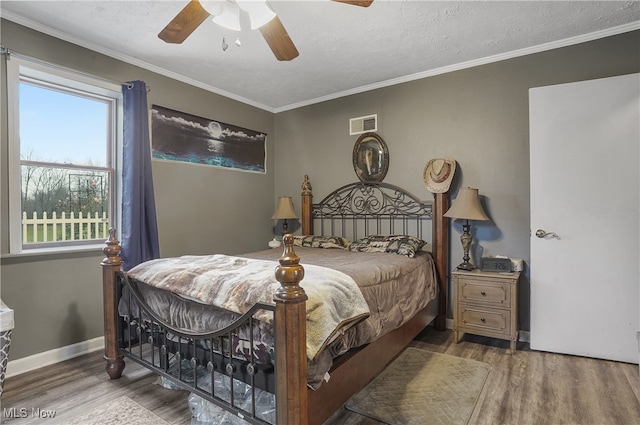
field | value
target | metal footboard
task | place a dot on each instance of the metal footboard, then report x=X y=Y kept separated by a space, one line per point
x=203 y=364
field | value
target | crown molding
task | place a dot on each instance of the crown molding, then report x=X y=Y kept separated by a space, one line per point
x=633 y=26
x=407 y=78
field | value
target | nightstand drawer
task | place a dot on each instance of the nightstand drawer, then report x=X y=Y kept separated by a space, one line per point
x=477 y=319
x=486 y=303
x=479 y=292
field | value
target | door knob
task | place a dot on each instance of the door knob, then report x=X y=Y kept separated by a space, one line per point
x=543 y=234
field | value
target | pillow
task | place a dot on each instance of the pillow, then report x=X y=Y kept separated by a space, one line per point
x=395 y=244
x=321 y=241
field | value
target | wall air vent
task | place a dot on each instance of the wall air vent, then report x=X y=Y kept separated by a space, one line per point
x=363 y=124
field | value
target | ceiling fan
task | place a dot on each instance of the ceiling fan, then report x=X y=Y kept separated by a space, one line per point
x=227 y=12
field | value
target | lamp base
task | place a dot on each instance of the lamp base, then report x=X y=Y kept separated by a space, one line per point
x=466 y=239
x=466 y=266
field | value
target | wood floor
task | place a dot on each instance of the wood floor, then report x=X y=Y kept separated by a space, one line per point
x=527 y=387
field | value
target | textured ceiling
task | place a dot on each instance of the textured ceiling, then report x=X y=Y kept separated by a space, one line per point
x=343 y=49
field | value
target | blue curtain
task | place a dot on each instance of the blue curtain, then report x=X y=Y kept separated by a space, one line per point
x=139 y=225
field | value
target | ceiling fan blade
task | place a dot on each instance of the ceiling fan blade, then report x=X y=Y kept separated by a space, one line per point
x=361 y=3
x=184 y=23
x=278 y=40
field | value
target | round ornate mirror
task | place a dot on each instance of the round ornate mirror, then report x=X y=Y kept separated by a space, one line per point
x=370 y=158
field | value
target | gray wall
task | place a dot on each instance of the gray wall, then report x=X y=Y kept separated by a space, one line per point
x=57 y=299
x=479 y=116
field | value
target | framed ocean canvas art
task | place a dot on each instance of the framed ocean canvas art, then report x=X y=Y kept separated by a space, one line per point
x=178 y=136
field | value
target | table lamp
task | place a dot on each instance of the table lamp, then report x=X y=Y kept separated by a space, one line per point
x=284 y=211
x=466 y=207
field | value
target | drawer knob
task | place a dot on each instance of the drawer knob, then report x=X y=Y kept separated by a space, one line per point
x=483 y=320
x=484 y=294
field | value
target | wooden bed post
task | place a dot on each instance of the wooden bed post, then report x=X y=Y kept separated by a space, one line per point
x=307 y=202
x=291 y=339
x=110 y=266
x=441 y=251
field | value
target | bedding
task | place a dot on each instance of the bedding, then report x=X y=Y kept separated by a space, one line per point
x=393 y=287
x=237 y=283
x=393 y=244
x=321 y=241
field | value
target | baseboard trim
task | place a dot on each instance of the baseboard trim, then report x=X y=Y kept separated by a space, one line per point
x=524 y=336
x=46 y=358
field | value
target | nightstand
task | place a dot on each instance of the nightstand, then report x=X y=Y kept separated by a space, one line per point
x=486 y=303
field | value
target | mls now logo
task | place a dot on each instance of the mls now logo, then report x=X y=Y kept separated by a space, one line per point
x=23 y=412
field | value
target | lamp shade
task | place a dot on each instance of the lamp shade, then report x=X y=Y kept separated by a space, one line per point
x=284 y=209
x=467 y=206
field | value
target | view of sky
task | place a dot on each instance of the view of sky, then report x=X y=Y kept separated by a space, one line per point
x=61 y=127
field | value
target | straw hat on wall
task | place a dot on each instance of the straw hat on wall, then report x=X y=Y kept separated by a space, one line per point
x=438 y=174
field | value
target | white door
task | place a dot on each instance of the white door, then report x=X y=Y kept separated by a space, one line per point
x=585 y=185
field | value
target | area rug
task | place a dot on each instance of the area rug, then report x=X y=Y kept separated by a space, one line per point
x=423 y=388
x=118 y=412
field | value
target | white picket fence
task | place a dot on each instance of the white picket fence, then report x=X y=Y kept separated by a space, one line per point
x=69 y=227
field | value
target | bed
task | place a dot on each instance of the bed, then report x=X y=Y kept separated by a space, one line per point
x=243 y=353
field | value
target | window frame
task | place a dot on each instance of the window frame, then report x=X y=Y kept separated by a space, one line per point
x=67 y=81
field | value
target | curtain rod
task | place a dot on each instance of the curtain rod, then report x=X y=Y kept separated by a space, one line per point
x=7 y=53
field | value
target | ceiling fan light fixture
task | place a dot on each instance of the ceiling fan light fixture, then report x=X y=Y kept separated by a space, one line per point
x=229 y=17
x=258 y=10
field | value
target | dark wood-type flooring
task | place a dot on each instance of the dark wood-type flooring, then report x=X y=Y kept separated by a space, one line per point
x=527 y=387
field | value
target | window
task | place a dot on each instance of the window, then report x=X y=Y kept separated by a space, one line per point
x=64 y=129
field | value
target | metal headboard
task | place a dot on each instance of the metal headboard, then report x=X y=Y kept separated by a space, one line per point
x=359 y=209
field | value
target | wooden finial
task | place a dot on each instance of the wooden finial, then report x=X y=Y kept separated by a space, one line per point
x=306 y=185
x=112 y=249
x=289 y=273
x=307 y=207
